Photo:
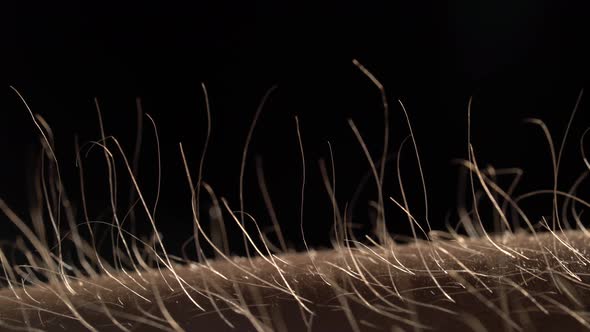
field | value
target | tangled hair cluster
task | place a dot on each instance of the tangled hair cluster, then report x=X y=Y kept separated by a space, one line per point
x=527 y=275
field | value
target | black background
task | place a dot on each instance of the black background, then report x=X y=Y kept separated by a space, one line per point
x=518 y=59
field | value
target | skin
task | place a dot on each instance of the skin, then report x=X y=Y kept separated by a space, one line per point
x=543 y=286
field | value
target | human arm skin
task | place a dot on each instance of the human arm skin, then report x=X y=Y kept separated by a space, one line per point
x=543 y=286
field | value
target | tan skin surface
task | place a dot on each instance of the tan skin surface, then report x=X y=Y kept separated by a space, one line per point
x=543 y=286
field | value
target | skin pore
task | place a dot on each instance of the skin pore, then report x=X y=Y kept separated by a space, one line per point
x=527 y=278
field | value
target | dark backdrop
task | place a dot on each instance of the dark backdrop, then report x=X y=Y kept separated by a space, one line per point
x=517 y=59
